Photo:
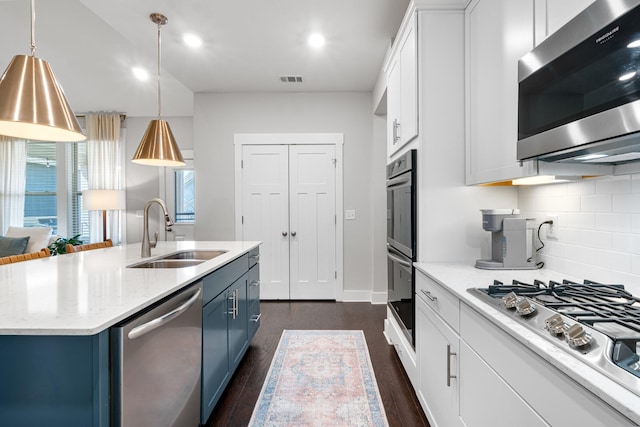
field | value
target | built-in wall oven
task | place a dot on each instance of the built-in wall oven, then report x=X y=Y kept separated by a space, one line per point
x=401 y=240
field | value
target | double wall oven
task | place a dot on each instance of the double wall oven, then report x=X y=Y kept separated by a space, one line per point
x=401 y=240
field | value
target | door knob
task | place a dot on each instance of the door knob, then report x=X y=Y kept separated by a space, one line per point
x=293 y=233
x=284 y=233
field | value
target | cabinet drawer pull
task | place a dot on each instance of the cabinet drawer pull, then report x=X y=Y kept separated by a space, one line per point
x=428 y=295
x=255 y=256
x=449 y=354
x=256 y=317
x=255 y=283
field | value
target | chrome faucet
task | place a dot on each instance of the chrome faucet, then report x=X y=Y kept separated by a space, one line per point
x=168 y=222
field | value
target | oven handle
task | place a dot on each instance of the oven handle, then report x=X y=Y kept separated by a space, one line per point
x=398 y=260
x=399 y=181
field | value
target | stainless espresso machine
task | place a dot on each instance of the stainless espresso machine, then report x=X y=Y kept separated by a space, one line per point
x=511 y=241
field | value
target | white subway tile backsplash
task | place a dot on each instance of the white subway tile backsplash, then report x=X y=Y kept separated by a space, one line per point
x=586 y=238
x=582 y=188
x=617 y=261
x=622 y=242
x=581 y=254
x=598 y=227
x=613 y=185
x=596 y=203
x=578 y=220
x=626 y=203
x=613 y=222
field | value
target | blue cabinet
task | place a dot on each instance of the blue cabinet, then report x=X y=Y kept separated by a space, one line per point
x=227 y=325
x=54 y=380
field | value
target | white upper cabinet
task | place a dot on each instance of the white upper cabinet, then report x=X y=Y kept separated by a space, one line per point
x=499 y=33
x=402 y=90
x=559 y=12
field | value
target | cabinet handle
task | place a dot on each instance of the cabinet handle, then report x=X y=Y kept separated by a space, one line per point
x=256 y=317
x=255 y=256
x=255 y=283
x=284 y=234
x=236 y=303
x=428 y=295
x=232 y=298
x=449 y=354
x=396 y=133
x=293 y=233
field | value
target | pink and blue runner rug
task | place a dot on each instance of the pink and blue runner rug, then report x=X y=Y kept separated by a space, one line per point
x=320 y=378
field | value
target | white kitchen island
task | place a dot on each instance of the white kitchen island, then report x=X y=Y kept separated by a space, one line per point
x=498 y=363
x=55 y=316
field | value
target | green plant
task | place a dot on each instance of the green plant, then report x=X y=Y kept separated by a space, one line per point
x=59 y=246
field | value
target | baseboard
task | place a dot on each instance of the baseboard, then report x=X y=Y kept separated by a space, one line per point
x=379 y=297
x=356 y=296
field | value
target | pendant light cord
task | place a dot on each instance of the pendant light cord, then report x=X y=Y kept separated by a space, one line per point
x=159 y=56
x=33 y=29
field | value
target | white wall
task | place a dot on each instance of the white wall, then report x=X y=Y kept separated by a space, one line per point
x=379 y=209
x=598 y=227
x=143 y=182
x=219 y=116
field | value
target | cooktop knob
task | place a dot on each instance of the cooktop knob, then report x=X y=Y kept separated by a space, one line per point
x=576 y=336
x=510 y=300
x=524 y=307
x=555 y=325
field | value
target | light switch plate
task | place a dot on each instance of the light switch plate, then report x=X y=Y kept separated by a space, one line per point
x=350 y=214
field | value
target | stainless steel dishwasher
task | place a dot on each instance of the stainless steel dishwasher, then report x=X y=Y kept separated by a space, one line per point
x=156 y=360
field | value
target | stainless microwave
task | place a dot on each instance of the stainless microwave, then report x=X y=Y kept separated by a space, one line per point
x=579 y=90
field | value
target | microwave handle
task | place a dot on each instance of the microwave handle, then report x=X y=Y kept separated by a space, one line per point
x=398 y=181
x=398 y=260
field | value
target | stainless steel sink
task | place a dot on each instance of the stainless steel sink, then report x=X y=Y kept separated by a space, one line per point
x=168 y=263
x=194 y=254
x=181 y=259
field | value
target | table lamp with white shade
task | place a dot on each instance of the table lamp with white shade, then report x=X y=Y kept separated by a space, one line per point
x=103 y=200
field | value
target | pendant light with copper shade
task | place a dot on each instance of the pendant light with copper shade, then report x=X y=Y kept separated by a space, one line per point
x=158 y=146
x=32 y=103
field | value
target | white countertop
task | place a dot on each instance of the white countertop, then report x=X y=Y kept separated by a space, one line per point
x=459 y=277
x=87 y=292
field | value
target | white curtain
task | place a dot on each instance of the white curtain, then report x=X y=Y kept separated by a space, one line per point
x=105 y=169
x=13 y=172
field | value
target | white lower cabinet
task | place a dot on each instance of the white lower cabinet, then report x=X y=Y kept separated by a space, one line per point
x=486 y=400
x=471 y=373
x=504 y=383
x=437 y=344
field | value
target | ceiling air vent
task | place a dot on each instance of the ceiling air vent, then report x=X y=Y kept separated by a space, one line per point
x=291 y=79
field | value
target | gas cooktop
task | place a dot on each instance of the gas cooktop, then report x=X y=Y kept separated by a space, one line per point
x=597 y=323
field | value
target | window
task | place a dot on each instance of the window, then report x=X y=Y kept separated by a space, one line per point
x=55 y=177
x=184 y=195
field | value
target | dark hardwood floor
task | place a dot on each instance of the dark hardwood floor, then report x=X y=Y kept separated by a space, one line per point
x=236 y=405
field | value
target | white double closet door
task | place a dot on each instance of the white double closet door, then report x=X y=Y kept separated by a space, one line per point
x=289 y=203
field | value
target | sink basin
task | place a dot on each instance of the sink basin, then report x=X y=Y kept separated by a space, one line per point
x=168 y=263
x=194 y=254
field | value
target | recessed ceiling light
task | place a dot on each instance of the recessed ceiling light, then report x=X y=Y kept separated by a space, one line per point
x=316 y=40
x=140 y=73
x=192 y=40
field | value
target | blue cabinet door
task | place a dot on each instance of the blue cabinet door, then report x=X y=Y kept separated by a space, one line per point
x=216 y=369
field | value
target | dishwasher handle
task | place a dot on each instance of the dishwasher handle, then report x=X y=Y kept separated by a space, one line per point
x=145 y=328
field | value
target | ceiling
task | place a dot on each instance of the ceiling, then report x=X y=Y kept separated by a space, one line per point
x=92 y=45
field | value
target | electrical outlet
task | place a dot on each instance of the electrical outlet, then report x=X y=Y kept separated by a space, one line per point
x=552 y=229
x=350 y=214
